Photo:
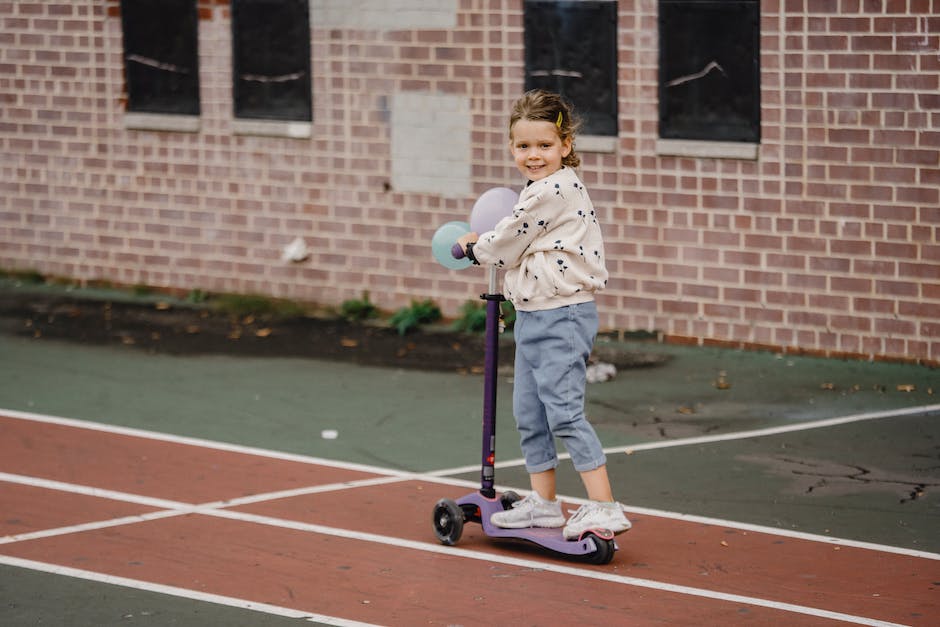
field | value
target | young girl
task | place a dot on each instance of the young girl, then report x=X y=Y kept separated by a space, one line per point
x=553 y=256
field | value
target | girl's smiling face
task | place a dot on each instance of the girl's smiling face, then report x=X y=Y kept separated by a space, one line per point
x=537 y=149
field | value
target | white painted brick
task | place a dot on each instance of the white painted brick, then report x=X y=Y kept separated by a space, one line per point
x=384 y=14
x=431 y=144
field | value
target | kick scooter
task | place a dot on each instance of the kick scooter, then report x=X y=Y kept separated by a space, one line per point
x=595 y=546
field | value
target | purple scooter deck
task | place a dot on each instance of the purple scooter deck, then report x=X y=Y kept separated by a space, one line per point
x=550 y=538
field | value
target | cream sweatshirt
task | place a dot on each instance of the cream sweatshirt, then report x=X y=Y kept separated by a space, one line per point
x=550 y=247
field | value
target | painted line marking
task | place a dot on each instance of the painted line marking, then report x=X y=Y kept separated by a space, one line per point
x=439 y=477
x=724 y=437
x=217 y=509
x=185 y=593
x=430 y=548
x=191 y=441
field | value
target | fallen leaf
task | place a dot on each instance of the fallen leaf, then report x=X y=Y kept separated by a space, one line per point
x=265 y=332
x=686 y=410
x=349 y=343
x=724 y=543
x=906 y=387
x=235 y=334
x=162 y=306
x=827 y=386
x=248 y=320
x=192 y=329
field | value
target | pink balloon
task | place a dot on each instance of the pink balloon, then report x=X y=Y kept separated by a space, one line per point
x=492 y=206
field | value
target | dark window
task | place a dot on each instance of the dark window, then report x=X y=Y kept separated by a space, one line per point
x=709 y=70
x=271 y=59
x=571 y=49
x=160 y=56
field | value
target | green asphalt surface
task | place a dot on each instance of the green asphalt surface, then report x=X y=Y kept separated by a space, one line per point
x=872 y=480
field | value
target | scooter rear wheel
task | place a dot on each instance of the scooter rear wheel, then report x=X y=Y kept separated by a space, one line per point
x=448 y=521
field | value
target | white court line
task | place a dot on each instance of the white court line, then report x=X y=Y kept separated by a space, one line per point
x=724 y=437
x=202 y=443
x=185 y=593
x=167 y=508
x=401 y=543
x=217 y=510
x=551 y=567
x=214 y=509
x=440 y=478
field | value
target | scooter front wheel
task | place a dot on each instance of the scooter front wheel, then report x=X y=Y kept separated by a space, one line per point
x=604 y=552
x=508 y=498
x=448 y=521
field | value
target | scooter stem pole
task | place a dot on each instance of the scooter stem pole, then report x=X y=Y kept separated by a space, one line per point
x=490 y=368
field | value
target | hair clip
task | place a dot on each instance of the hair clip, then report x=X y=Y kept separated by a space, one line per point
x=559 y=120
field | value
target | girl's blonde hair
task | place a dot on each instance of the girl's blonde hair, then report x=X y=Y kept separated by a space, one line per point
x=538 y=105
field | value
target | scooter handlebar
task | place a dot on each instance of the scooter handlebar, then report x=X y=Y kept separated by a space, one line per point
x=458 y=252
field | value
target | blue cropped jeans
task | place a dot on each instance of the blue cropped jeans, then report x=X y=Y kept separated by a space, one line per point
x=552 y=349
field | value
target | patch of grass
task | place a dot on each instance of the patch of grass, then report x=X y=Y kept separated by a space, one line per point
x=410 y=318
x=197 y=296
x=23 y=276
x=359 y=309
x=473 y=316
x=256 y=305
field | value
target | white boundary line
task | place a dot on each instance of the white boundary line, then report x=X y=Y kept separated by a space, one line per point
x=726 y=437
x=438 y=549
x=200 y=442
x=438 y=476
x=214 y=509
x=185 y=593
x=217 y=510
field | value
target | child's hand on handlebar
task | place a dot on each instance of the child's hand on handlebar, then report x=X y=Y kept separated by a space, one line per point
x=467 y=238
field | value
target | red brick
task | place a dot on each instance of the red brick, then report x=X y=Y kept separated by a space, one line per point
x=851 y=284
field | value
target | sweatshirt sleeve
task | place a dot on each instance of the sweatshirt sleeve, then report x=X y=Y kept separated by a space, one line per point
x=511 y=238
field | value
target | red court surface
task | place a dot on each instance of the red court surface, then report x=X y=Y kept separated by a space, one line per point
x=353 y=545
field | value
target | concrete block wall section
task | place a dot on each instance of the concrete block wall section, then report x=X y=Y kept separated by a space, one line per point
x=826 y=242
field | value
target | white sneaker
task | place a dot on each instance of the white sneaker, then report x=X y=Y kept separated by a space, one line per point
x=596 y=516
x=532 y=511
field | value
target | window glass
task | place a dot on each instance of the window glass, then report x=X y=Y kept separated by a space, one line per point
x=271 y=59
x=161 y=56
x=709 y=70
x=571 y=49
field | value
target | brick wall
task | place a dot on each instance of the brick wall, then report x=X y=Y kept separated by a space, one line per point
x=826 y=243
